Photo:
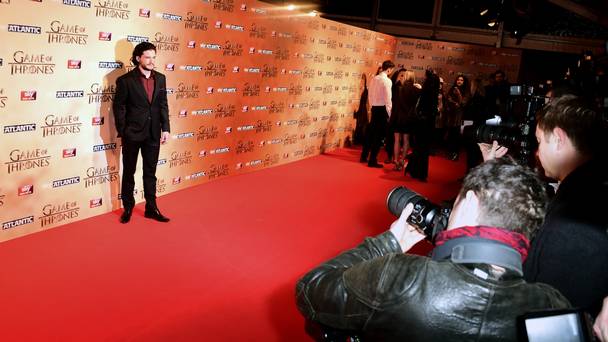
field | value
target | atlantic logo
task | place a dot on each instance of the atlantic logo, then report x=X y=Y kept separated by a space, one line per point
x=100 y=175
x=31 y=64
x=165 y=42
x=66 y=181
x=113 y=9
x=233 y=49
x=202 y=112
x=211 y=46
x=191 y=67
x=227 y=90
x=220 y=150
x=110 y=65
x=137 y=39
x=25 y=190
x=24 y=29
x=105 y=36
x=60 y=125
x=74 y=64
x=104 y=147
x=235 y=27
x=20 y=128
x=253 y=70
x=21 y=160
x=196 y=22
x=195 y=175
x=62 y=33
x=78 y=3
x=17 y=222
x=184 y=135
x=169 y=16
x=68 y=94
x=185 y=91
x=58 y=213
x=207 y=133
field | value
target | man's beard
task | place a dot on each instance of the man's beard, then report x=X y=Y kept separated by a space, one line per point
x=149 y=68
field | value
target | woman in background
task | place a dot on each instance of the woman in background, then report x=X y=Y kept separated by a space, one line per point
x=361 y=115
x=404 y=115
x=456 y=100
x=389 y=141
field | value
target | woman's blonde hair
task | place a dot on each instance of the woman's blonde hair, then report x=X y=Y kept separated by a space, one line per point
x=410 y=76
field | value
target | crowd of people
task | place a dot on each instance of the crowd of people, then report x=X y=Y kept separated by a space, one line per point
x=510 y=246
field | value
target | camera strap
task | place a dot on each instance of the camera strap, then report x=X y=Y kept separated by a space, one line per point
x=472 y=250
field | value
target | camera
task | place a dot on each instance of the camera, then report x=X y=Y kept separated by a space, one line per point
x=572 y=325
x=428 y=217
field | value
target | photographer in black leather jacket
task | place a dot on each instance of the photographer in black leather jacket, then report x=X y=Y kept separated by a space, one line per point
x=462 y=293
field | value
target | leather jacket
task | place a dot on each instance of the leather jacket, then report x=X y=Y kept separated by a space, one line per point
x=382 y=294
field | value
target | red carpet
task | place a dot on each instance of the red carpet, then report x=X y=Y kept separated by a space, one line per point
x=223 y=269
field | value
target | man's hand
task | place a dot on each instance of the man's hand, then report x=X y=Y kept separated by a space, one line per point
x=492 y=151
x=164 y=138
x=601 y=323
x=406 y=234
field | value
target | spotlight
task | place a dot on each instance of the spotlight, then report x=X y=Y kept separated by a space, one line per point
x=291 y=7
x=492 y=22
x=483 y=12
x=312 y=13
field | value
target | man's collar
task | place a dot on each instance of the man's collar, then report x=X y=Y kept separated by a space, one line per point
x=141 y=74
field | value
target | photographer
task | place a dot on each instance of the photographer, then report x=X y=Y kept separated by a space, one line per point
x=383 y=294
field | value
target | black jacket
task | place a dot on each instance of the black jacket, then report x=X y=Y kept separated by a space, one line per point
x=385 y=295
x=570 y=250
x=137 y=119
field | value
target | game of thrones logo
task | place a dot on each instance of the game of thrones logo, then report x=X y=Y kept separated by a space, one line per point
x=319 y=58
x=216 y=171
x=101 y=93
x=213 y=69
x=100 y=175
x=304 y=121
x=166 y=42
x=185 y=91
x=327 y=89
x=21 y=160
x=281 y=54
x=31 y=64
x=206 y=133
x=251 y=89
x=309 y=73
x=269 y=71
x=276 y=107
x=223 y=5
x=3 y=98
x=290 y=139
x=180 y=158
x=295 y=89
x=314 y=104
x=112 y=9
x=61 y=125
x=225 y=111
x=338 y=74
x=59 y=213
x=271 y=159
x=299 y=38
x=244 y=146
x=401 y=54
x=61 y=33
x=309 y=151
x=263 y=126
x=196 y=22
x=232 y=49
x=257 y=31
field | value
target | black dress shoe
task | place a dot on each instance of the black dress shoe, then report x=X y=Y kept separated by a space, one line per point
x=156 y=215
x=126 y=215
x=376 y=165
x=361 y=160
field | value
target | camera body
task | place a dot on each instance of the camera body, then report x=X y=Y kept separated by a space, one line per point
x=426 y=216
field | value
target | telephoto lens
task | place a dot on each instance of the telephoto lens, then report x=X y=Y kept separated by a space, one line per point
x=428 y=217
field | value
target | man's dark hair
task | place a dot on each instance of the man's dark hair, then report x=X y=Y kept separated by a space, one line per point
x=387 y=65
x=139 y=50
x=510 y=196
x=584 y=126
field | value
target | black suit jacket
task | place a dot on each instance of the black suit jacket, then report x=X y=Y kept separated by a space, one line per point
x=136 y=118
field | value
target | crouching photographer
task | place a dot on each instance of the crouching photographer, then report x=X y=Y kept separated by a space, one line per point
x=470 y=289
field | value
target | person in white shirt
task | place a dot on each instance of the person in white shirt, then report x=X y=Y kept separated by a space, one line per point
x=381 y=103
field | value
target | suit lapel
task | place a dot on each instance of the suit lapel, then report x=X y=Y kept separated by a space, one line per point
x=139 y=86
x=156 y=86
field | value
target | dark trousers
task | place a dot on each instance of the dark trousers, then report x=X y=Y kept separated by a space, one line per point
x=149 y=154
x=453 y=140
x=376 y=131
x=418 y=165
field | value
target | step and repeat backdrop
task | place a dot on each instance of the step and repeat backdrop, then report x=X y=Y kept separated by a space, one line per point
x=250 y=86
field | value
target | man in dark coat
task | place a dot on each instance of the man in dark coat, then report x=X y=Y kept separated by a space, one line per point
x=141 y=113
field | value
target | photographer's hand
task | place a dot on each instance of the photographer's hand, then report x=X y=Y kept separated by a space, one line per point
x=601 y=323
x=492 y=151
x=406 y=234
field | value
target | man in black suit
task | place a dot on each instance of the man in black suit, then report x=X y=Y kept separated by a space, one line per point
x=141 y=112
